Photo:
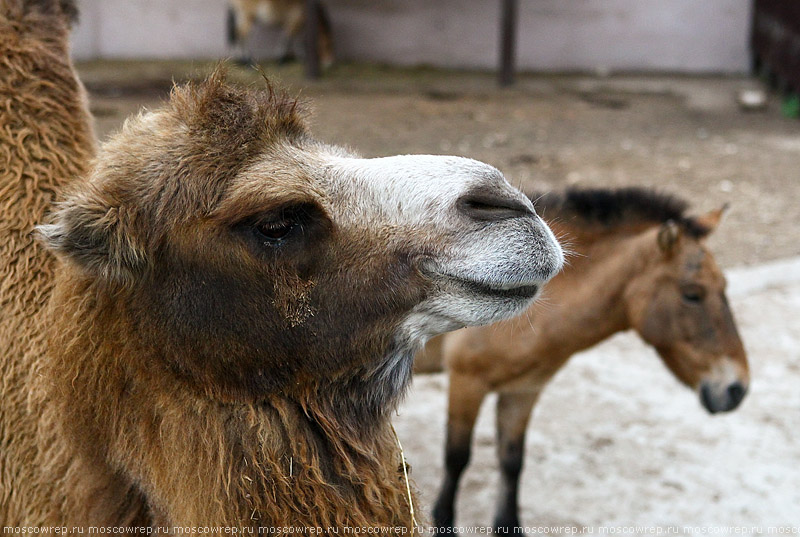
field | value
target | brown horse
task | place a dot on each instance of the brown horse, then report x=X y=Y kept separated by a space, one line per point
x=638 y=263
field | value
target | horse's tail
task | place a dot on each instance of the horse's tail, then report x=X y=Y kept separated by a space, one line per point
x=430 y=359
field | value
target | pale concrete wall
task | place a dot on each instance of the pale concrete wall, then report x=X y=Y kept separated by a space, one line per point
x=630 y=35
x=150 y=29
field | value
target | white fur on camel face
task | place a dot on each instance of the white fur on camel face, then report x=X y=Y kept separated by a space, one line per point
x=482 y=244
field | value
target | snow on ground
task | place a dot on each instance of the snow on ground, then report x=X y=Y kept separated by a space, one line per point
x=616 y=441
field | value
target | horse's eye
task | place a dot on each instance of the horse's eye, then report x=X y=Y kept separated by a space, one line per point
x=277 y=231
x=693 y=294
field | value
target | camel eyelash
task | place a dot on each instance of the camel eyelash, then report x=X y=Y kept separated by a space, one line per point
x=277 y=231
x=279 y=225
x=284 y=225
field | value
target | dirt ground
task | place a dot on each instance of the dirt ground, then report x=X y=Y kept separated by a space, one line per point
x=616 y=441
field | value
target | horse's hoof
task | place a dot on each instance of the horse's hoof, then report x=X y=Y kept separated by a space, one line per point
x=507 y=526
x=442 y=520
x=508 y=530
x=327 y=62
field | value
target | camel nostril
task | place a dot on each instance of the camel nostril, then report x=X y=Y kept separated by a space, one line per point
x=488 y=207
x=736 y=393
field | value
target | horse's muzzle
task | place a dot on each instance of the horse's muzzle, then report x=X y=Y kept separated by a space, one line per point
x=722 y=398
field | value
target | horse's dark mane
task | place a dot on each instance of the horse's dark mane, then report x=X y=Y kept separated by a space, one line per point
x=617 y=207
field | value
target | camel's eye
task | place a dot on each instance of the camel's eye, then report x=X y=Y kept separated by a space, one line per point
x=693 y=294
x=285 y=229
x=284 y=225
x=277 y=231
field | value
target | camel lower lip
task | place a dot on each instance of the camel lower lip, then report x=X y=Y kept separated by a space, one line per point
x=521 y=291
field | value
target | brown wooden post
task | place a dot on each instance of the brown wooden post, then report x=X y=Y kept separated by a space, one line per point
x=312 y=67
x=508 y=42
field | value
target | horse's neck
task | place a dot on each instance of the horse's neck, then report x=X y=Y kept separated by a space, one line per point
x=591 y=292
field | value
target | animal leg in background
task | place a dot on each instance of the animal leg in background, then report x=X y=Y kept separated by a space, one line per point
x=295 y=26
x=513 y=412
x=326 y=52
x=239 y=25
x=290 y=17
x=463 y=406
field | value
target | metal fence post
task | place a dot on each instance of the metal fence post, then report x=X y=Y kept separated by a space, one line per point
x=508 y=42
x=312 y=67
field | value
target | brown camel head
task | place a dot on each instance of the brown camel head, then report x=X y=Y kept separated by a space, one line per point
x=250 y=259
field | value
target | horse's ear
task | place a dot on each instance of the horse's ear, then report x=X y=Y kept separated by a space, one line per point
x=711 y=219
x=668 y=236
x=95 y=235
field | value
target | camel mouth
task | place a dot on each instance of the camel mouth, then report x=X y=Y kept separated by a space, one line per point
x=502 y=290
x=526 y=291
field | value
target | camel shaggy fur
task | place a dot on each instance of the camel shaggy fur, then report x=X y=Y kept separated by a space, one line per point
x=46 y=141
x=234 y=314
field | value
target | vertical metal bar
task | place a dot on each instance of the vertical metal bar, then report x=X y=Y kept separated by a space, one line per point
x=508 y=42
x=312 y=40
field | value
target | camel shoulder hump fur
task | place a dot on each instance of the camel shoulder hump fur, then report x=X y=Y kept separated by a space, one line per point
x=46 y=141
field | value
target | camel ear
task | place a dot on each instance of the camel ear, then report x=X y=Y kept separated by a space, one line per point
x=711 y=219
x=96 y=236
x=668 y=236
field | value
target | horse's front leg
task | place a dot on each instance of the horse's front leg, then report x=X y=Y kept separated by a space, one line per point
x=294 y=26
x=239 y=25
x=513 y=412
x=465 y=395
